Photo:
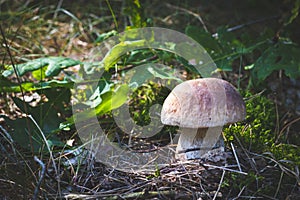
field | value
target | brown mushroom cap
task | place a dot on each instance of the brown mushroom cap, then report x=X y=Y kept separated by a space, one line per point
x=205 y=102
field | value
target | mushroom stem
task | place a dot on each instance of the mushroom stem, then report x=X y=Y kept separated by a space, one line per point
x=193 y=143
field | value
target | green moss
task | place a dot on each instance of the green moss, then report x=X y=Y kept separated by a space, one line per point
x=257 y=131
x=143 y=98
x=237 y=181
x=258 y=135
x=287 y=153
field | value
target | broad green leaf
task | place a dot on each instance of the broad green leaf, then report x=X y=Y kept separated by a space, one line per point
x=140 y=76
x=7 y=86
x=204 y=38
x=54 y=66
x=40 y=74
x=281 y=56
x=46 y=114
x=24 y=129
x=150 y=71
x=113 y=100
x=120 y=49
x=58 y=98
x=110 y=100
x=95 y=99
x=105 y=36
x=217 y=47
x=139 y=56
x=187 y=65
x=224 y=47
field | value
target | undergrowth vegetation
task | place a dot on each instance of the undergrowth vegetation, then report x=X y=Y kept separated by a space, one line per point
x=47 y=56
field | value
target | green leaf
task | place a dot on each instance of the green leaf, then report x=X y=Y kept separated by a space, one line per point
x=54 y=66
x=23 y=129
x=135 y=12
x=120 y=49
x=95 y=99
x=220 y=47
x=110 y=100
x=45 y=115
x=105 y=36
x=281 y=56
x=138 y=57
x=7 y=86
x=40 y=74
x=149 y=71
x=293 y=15
x=58 y=98
x=224 y=47
x=204 y=38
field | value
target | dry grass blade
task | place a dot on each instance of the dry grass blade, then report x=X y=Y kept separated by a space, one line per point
x=190 y=13
x=225 y=169
x=235 y=156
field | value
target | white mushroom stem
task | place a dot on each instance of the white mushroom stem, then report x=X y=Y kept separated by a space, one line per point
x=193 y=143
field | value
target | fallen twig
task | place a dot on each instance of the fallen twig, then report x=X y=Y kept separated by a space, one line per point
x=235 y=156
x=225 y=168
x=38 y=185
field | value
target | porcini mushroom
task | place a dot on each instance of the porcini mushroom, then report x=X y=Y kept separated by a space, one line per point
x=200 y=108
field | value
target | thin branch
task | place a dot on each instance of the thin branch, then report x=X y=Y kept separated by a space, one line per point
x=279 y=184
x=42 y=175
x=219 y=186
x=240 y=193
x=285 y=127
x=251 y=23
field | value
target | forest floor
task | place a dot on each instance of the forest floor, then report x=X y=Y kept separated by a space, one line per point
x=39 y=29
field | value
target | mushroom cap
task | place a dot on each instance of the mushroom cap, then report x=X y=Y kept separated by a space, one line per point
x=205 y=102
